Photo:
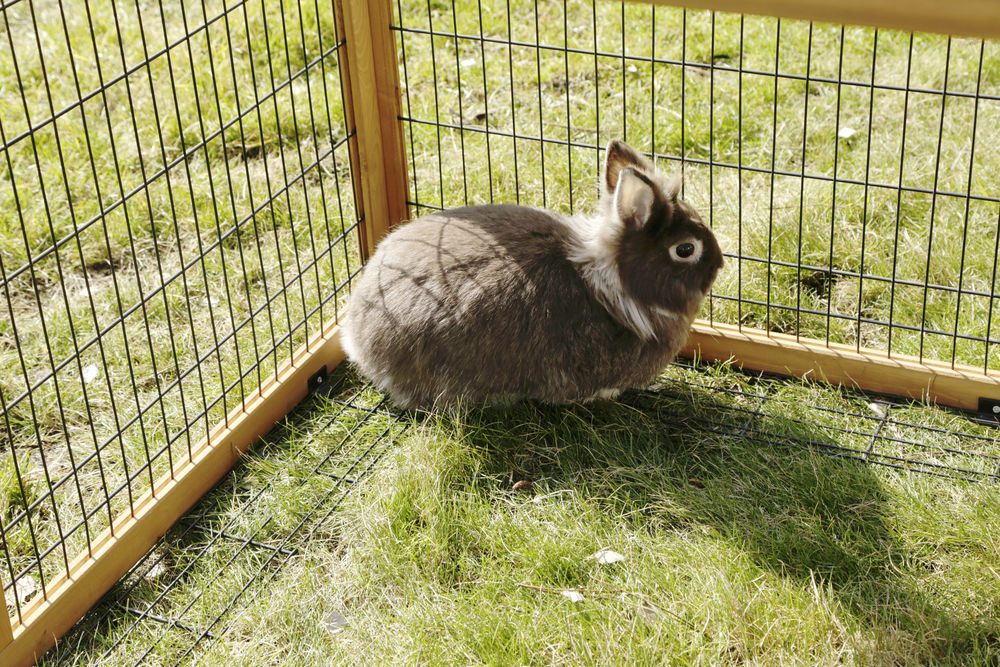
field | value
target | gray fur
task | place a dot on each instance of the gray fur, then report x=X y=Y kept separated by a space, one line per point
x=508 y=302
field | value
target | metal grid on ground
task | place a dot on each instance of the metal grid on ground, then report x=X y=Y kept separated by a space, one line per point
x=180 y=599
x=133 y=608
x=880 y=430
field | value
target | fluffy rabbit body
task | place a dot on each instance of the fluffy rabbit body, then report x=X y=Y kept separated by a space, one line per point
x=505 y=302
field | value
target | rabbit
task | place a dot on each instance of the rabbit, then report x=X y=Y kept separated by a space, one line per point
x=499 y=303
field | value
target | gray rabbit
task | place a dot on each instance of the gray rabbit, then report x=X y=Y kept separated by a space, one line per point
x=506 y=302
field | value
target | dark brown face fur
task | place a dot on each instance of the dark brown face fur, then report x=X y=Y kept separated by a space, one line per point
x=647 y=268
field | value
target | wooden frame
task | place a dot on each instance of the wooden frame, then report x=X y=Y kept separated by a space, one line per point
x=955 y=385
x=961 y=18
x=378 y=158
x=871 y=370
x=372 y=93
x=133 y=533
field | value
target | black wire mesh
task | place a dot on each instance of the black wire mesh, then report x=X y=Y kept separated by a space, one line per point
x=846 y=170
x=177 y=218
x=177 y=195
x=244 y=550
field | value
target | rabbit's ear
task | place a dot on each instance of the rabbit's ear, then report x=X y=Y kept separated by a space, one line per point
x=620 y=156
x=634 y=198
x=673 y=187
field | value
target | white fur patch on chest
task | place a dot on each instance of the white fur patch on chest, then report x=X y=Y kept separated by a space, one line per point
x=593 y=252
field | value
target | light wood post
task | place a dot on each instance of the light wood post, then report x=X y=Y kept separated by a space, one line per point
x=961 y=18
x=6 y=632
x=372 y=93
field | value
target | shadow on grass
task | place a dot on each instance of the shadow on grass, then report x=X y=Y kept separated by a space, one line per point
x=669 y=461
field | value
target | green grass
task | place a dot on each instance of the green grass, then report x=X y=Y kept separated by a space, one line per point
x=746 y=552
x=737 y=549
x=144 y=231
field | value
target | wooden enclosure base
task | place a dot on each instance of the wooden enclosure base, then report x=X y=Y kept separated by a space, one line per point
x=133 y=533
x=931 y=381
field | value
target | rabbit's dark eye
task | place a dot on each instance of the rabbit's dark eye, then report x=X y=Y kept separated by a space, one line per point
x=688 y=252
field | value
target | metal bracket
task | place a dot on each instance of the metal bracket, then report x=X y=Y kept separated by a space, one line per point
x=318 y=379
x=989 y=407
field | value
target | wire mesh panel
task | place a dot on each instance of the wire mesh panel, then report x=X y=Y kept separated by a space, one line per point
x=847 y=171
x=177 y=218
